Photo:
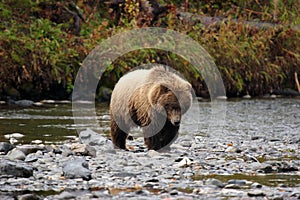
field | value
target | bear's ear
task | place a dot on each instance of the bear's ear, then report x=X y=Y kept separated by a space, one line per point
x=189 y=86
x=155 y=92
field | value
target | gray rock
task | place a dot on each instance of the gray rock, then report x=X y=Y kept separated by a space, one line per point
x=28 y=197
x=237 y=182
x=257 y=137
x=232 y=193
x=230 y=149
x=66 y=195
x=28 y=148
x=125 y=174
x=296 y=194
x=5 y=147
x=152 y=153
x=15 y=168
x=184 y=162
x=215 y=182
x=232 y=186
x=67 y=152
x=83 y=149
x=94 y=139
x=7 y=196
x=77 y=168
x=173 y=192
x=278 y=166
x=256 y=185
x=250 y=158
x=274 y=139
x=16 y=154
x=256 y=193
x=24 y=103
x=31 y=157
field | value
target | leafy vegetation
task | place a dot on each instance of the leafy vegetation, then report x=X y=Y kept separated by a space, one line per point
x=43 y=43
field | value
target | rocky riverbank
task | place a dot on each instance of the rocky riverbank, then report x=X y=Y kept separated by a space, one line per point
x=196 y=167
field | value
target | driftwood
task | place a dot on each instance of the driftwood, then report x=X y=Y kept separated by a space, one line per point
x=217 y=21
x=151 y=11
x=286 y=92
x=297 y=82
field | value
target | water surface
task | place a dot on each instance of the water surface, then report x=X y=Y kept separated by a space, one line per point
x=54 y=123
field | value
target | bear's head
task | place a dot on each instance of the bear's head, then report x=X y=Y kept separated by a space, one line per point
x=172 y=101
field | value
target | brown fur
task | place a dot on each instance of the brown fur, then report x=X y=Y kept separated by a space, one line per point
x=145 y=95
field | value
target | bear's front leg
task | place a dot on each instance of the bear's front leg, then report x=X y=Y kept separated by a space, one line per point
x=118 y=136
x=163 y=139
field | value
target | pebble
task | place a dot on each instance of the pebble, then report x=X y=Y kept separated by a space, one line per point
x=230 y=149
x=31 y=157
x=24 y=103
x=14 y=135
x=153 y=153
x=28 y=197
x=256 y=193
x=37 y=141
x=72 y=170
x=237 y=182
x=232 y=193
x=5 y=147
x=256 y=185
x=185 y=161
x=77 y=168
x=173 y=192
x=16 y=154
x=15 y=168
x=215 y=182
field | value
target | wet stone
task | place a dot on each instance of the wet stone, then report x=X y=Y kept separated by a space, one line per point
x=83 y=149
x=66 y=195
x=215 y=182
x=153 y=153
x=28 y=197
x=232 y=193
x=28 y=148
x=184 y=162
x=92 y=138
x=231 y=150
x=237 y=182
x=173 y=192
x=16 y=154
x=125 y=174
x=5 y=147
x=232 y=186
x=256 y=185
x=257 y=137
x=256 y=193
x=24 y=103
x=15 y=168
x=77 y=168
x=31 y=157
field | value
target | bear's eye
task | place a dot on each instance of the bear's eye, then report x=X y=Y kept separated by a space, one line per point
x=171 y=107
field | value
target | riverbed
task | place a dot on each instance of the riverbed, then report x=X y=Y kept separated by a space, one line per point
x=239 y=148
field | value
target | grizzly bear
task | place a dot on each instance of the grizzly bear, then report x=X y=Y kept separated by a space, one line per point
x=154 y=99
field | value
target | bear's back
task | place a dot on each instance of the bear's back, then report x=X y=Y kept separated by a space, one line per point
x=128 y=83
x=124 y=89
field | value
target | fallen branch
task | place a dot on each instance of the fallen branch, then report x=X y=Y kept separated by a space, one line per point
x=297 y=82
x=217 y=21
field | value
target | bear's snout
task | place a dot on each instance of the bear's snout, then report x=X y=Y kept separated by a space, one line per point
x=176 y=121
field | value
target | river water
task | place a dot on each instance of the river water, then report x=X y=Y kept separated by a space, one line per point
x=54 y=123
